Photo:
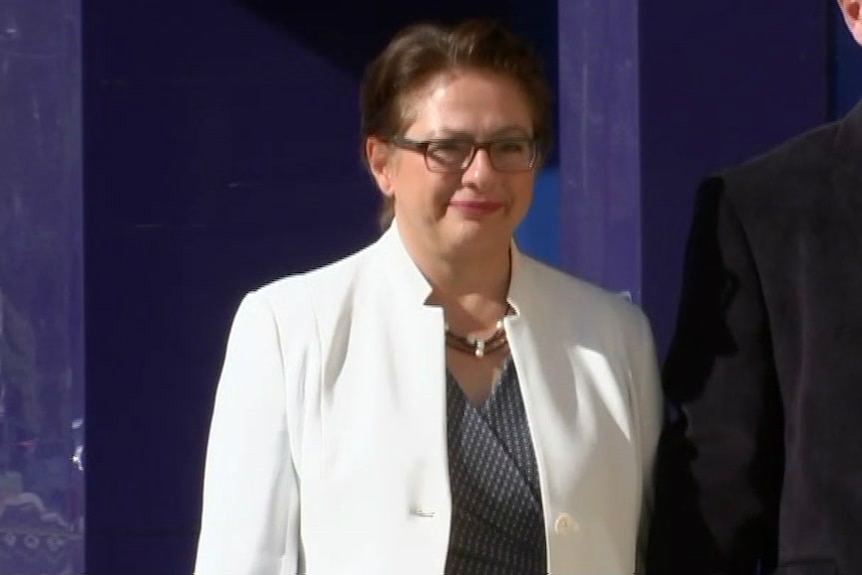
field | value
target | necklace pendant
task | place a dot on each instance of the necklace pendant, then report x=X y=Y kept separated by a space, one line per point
x=480 y=348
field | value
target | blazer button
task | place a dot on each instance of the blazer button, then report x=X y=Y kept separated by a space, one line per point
x=565 y=523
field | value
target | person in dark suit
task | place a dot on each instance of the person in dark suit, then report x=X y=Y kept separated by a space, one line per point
x=760 y=470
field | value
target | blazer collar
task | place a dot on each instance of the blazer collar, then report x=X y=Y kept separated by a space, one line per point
x=399 y=265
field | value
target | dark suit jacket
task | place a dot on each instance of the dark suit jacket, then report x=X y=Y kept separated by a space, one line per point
x=764 y=462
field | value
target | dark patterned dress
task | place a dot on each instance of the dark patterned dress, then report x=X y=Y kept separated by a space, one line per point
x=497 y=520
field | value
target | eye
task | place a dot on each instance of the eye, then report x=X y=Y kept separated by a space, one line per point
x=449 y=145
x=449 y=150
x=519 y=146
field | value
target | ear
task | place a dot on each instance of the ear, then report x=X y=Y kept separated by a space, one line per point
x=853 y=17
x=379 y=155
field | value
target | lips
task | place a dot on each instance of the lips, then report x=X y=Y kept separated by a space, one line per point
x=477 y=207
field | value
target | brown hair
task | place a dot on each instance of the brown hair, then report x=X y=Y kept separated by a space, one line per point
x=423 y=51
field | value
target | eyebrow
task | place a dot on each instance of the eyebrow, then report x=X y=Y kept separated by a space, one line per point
x=510 y=131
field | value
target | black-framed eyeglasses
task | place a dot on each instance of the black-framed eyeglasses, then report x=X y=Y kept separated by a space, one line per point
x=450 y=155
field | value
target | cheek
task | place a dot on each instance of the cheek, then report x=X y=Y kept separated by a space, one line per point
x=439 y=188
x=524 y=188
x=423 y=189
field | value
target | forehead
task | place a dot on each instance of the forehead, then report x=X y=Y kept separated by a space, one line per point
x=471 y=101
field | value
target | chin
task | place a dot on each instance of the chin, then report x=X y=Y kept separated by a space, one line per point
x=470 y=235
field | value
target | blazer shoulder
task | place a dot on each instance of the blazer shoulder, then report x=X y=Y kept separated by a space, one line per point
x=584 y=298
x=612 y=325
x=314 y=287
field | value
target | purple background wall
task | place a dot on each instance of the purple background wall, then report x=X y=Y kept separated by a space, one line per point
x=726 y=81
x=41 y=333
x=599 y=66
x=653 y=96
x=219 y=151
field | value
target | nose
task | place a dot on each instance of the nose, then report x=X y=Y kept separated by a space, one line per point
x=480 y=169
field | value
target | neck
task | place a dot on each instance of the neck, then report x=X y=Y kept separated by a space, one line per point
x=471 y=290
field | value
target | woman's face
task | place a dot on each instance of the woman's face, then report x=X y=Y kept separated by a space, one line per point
x=461 y=211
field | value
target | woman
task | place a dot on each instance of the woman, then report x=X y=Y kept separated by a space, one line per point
x=437 y=402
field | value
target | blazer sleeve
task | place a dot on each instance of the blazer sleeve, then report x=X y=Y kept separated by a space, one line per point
x=719 y=461
x=249 y=523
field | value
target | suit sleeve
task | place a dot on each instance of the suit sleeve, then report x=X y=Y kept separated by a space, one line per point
x=249 y=524
x=718 y=466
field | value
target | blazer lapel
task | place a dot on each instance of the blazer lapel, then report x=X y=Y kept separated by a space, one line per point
x=550 y=400
x=417 y=367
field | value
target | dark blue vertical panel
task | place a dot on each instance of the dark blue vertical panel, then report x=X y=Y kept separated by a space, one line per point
x=41 y=386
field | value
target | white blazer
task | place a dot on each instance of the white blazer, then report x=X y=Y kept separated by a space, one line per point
x=328 y=450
